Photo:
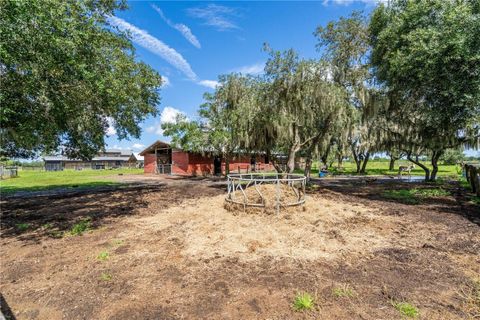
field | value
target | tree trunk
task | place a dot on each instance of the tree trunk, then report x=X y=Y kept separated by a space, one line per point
x=308 y=167
x=291 y=158
x=324 y=157
x=358 y=162
x=364 y=165
x=435 y=157
x=391 y=167
x=340 y=161
x=418 y=163
x=227 y=164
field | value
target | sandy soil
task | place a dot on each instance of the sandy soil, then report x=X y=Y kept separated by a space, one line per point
x=174 y=252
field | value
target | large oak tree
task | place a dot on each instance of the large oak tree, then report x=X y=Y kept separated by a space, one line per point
x=65 y=75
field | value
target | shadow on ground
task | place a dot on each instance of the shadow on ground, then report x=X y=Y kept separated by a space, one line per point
x=31 y=218
x=457 y=202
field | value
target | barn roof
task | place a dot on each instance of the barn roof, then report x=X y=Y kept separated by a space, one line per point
x=157 y=144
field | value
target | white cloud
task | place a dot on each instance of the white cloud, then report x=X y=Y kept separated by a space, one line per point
x=216 y=16
x=149 y=42
x=208 y=83
x=254 y=69
x=183 y=29
x=165 y=82
x=111 y=127
x=168 y=115
x=138 y=146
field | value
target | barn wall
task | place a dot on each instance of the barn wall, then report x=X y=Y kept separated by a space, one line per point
x=180 y=162
x=196 y=164
x=149 y=163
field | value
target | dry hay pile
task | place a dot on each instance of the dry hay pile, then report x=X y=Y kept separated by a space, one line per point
x=285 y=195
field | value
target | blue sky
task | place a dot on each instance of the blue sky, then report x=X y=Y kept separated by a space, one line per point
x=191 y=43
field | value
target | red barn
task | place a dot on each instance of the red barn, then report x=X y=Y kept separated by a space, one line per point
x=160 y=157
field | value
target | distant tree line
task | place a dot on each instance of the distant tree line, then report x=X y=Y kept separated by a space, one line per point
x=405 y=81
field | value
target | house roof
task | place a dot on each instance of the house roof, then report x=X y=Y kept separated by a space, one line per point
x=107 y=155
x=157 y=144
x=121 y=151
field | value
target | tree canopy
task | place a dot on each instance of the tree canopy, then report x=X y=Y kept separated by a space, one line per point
x=66 y=74
x=426 y=55
x=405 y=81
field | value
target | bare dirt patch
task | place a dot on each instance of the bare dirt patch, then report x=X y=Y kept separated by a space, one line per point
x=173 y=252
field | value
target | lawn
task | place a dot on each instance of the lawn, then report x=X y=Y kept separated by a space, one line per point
x=381 y=168
x=43 y=180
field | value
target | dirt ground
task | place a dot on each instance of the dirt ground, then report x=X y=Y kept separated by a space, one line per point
x=169 y=250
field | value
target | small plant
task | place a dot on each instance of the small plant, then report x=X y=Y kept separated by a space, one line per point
x=22 y=226
x=105 y=276
x=343 y=291
x=80 y=227
x=406 y=309
x=303 y=301
x=103 y=256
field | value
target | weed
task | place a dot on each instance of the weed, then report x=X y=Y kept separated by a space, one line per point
x=103 y=256
x=303 y=301
x=406 y=309
x=80 y=227
x=105 y=276
x=343 y=291
x=22 y=226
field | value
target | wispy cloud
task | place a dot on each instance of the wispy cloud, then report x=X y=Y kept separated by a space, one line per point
x=253 y=69
x=349 y=2
x=212 y=84
x=156 y=46
x=168 y=115
x=183 y=29
x=217 y=16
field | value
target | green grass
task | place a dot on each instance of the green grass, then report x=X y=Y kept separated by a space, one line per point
x=80 y=227
x=105 y=276
x=406 y=309
x=303 y=301
x=45 y=180
x=22 y=226
x=377 y=167
x=103 y=256
x=343 y=291
x=415 y=195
